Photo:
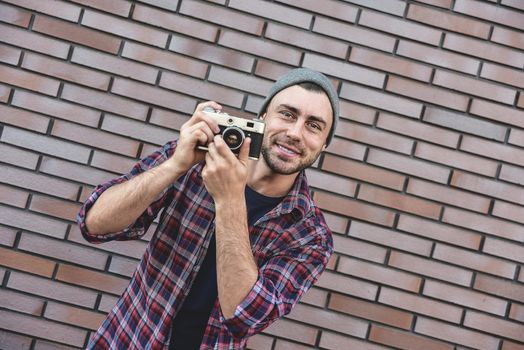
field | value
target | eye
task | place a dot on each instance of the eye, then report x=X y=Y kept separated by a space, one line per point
x=287 y=114
x=315 y=126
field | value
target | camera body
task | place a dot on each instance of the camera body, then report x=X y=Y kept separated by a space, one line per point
x=234 y=131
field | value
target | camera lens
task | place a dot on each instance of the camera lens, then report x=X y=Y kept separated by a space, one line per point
x=234 y=137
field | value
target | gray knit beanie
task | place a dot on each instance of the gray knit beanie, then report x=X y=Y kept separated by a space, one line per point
x=302 y=75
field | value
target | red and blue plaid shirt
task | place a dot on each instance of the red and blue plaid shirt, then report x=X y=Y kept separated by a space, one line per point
x=291 y=245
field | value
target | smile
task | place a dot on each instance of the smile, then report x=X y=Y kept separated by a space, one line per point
x=288 y=151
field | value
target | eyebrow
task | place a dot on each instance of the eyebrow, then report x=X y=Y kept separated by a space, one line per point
x=311 y=117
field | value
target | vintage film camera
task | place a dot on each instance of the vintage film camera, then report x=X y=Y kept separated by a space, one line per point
x=234 y=131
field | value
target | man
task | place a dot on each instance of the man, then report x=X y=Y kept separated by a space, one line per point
x=238 y=241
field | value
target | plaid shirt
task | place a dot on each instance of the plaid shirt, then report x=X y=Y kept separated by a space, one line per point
x=291 y=245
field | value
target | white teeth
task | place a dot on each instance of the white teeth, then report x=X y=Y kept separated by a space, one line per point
x=286 y=150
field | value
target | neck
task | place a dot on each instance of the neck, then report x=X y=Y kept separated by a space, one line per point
x=266 y=182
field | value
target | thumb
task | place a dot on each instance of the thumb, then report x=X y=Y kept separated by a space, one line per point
x=244 y=150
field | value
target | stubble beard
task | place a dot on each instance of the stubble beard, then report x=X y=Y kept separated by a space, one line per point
x=285 y=166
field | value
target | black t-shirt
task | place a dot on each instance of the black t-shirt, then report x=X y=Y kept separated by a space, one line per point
x=189 y=325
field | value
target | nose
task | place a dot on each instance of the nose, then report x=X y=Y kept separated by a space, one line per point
x=294 y=130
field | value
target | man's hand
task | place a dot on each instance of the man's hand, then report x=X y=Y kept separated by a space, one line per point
x=224 y=174
x=200 y=129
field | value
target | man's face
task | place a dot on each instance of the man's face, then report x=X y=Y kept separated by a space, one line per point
x=297 y=125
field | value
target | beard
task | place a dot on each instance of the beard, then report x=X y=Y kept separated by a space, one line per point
x=282 y=165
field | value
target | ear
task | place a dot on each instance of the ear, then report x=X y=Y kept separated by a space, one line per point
x=263 y=116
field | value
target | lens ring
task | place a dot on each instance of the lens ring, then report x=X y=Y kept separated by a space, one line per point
x=233 y=137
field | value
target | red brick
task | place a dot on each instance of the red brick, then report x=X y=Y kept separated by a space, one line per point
x=104 y=101
x=331 y=183
x=201 y=89
x=364 y=172
x=134 y=248
x=38 y=182
x=107 y=302
x=474 y=261
x=112 y=162
x=418 y=130
x=354 y=34
x=336 y=223
x=86 y=191
x=440 y=3
x=52 y=289
x=420 y=305
x=32 y=222
x=168 y=119
x=175 y=23
x=504 y=249
x=56 y=108
x=447 y=195
x=488 y=187
x=494 y=325
x=513 y=3
x=117 y=7
x=379 y=274
x=390 y=64
x=154 y=95
x=13 y=196
x=125 y=28
x=491 y=13
x=335 y=341
x=330 y=8
x=71 y=171
x=115 y=65
x=448 y=21
x=26 y=262
x=5 y=92
x=241 y=81
x=259 y=341
x=24 y=119
x=161 y=58
x=293 y=331
x=255 y=46
x=7 y=238
x=91 y=279
x=38 y=327
x=508 y=37
x=223 y=16
x=14 y=341
x=517 y=312
x=497 y=112
x=493 y=150
x=281 y=344
x=45 y=144
x=358 y=248
x=9 y=55
x=344 y=70
x=400 y=27
x=54 y=207
x=62 y=250
x=46 y=345
x=16 y=16
x=203 y=51
x=390 y=238
x=123 y=266
x=274 y=12
x=520 y=102
x=315 y=297
x=33 y=41
x=430 y=268
x=404 y=340
x=465 y=297
x=19 y=302
x=408 y=165
x=370 y=311
x=354 y=209
x=18 y=157
x=348 y=285
x=509 y=211
x=326 y=319
x=474 y=87
x=74 y=316
x=29 y=81
x=503 y=75
x=66 y=11
x=356 y=112
x=437 y=231
x=76 y=33
x=381 y=100
x=516 y=137
x=438 y=57
x=427 y=93
x=456 y=335
x=507 y=345
x=137 y=130
x=501 y=287
x=167 y=4
x=496 y=227
x=483 y=49
x=306 y=40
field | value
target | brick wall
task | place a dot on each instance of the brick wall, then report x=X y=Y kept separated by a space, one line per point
x=422 y=186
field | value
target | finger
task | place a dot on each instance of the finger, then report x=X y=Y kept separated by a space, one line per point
x=212 y=104
x=201 y=128
x=244 y=150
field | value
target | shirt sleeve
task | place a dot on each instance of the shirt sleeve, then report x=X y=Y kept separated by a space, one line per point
x=281 y=283
x=140 y=226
